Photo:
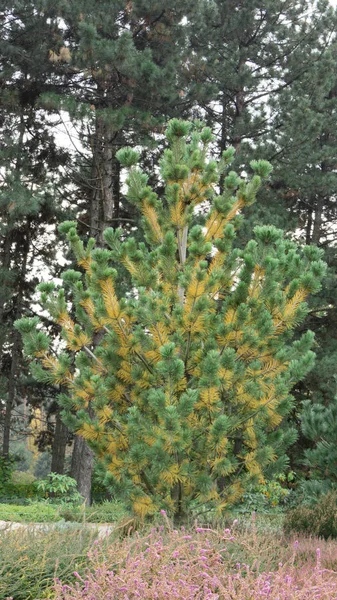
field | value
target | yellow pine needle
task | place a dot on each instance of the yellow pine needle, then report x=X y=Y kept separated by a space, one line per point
x=251 y=439
x=234 y=493
x=86 y=262
x=89 y=307
x=130 y=266
x=194 y=291
x=226 y=377
x=110 y=299
x=247 y=352
x=195 y=325
x=89 y=432
x=77 y=342
x=177 y=214
x=216 y=221
x=124 y=373
x=117 y=394
x=214 y=226
x=151 y=216
x=251 y=465
x=194 y=180
x=172 y=475
x=143 y=506
x=104 y=414
x=181 y=385
x=287 y=318
x=208 y=398
x=53 y=365
x=230 y=316
x=255 y=286
x=218 y=447
x=66 y=322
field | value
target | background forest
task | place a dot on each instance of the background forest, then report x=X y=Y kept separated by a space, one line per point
x=80 y=80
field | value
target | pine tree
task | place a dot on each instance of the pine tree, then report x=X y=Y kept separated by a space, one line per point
x=301 y=199
x=245 y=54
x=123 y=62
x=30 y=172
x=319 y=425
x=180 y=387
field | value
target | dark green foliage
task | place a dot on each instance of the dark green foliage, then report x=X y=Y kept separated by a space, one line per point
x=319 y=425
x=319 y=520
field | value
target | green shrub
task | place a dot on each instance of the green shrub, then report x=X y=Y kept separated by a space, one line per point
x=319 y=520
x=30 y=559
x=107 y=512
x=6 y=469
x=269 y=495
x=19 y=487
x=60 y=488
x=39 y=512
x=22 y=478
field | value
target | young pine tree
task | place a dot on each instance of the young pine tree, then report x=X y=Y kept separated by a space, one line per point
x=181 y=386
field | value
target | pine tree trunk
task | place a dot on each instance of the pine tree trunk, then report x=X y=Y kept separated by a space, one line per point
x=103 y=213
x=82 y=467
x=59 y=445
x=11 y=393
x=104 y=207
x=316 y=232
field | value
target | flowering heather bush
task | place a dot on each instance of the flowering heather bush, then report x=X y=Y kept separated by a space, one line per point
x=172 y=564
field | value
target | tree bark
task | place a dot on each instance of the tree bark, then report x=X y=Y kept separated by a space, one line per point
x=59 y=445
x=104 y=206
x=11 y=393
x=82 y=467
x=318 y=217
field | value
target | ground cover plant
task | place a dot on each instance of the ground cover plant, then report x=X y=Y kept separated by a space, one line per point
x=181 y=385
x=36 y=512
x=206 y=563
x=30 y=558
x=43 y=512
x=246 y=561
x=319 y=520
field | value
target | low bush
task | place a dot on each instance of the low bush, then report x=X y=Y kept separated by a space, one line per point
x=60 y=488
x=319 y=520
x=107 y=512
x=38 y=512
x=30 y=559
x=22 y=478
x=265 y=497
x=19 y=487
x=197 y=564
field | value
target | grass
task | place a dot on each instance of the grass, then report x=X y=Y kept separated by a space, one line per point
x=42 y=512
x=38 y=512
x=29 y=560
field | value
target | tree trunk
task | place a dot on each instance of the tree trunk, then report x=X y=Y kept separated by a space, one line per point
x=82 y=467
x=11 y=394
x=59 y=445
x=104 y=206
x=308 y=228
x=316 y=232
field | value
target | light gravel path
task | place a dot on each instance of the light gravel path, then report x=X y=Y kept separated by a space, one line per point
x=102 y=528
